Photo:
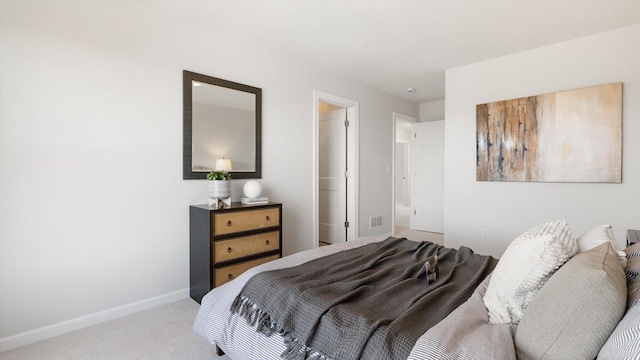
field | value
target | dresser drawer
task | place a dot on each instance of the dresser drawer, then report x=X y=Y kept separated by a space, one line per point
x=245 y=246
x=225 y=274
x=238 y=221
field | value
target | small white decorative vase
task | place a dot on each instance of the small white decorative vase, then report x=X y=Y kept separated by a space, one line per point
x=252 y=189
x=219 y=188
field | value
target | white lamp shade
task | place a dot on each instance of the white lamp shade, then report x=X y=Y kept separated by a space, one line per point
x=223 y=164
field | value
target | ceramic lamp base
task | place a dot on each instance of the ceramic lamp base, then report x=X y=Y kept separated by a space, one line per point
x=219 y=203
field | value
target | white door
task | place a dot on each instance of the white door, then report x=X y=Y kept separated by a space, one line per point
x=332 y=136
x=427 y=183
x=402 y=193
x=400 y=173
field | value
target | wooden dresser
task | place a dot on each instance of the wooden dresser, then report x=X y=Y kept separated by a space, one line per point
x=226 y=242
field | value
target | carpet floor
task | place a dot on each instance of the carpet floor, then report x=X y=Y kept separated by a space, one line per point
x=161 y=333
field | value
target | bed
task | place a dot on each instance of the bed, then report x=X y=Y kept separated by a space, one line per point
x=279 y=310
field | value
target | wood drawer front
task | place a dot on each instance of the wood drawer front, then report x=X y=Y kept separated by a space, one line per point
x=228 y=273
x=245 y=246
x=238 y=221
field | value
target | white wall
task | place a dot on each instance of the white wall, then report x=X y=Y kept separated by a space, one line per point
x=94 y=211
x=509 y=208
x=432 y=111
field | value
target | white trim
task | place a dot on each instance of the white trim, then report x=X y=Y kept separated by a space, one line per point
x=49 y=331
x=353 y=115
x=396 y=116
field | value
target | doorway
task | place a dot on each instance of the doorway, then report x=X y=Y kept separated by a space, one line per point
x=401 y=172
x=408 y=176
x=332 y=166
x=335 y=174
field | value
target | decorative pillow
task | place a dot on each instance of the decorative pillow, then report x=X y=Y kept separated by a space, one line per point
x=624 y=342
x=524 y=267
x=633 y=273
x=599 y=235
x=574 y=313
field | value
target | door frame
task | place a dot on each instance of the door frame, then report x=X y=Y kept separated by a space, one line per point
x=352 y=107
x=406 y=118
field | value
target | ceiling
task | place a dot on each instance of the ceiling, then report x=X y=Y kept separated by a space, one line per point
x=388 y=45
x=395 y=45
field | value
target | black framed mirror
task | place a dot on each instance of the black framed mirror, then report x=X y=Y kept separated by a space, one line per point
x=222 y=120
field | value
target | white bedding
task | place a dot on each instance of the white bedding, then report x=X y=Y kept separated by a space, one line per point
x=467 y=334
x=241 y=342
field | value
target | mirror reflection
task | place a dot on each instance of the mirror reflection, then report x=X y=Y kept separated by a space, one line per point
x=222 y=121
x=223 y=127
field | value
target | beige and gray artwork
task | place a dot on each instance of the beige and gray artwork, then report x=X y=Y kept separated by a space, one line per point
x=568 y=136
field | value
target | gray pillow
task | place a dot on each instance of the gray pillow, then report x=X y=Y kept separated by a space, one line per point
x=574 y=313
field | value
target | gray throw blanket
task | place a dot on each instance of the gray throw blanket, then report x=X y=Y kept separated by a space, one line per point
x=364 y=303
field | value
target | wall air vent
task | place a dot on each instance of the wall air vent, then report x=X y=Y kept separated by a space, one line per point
x=375 y=221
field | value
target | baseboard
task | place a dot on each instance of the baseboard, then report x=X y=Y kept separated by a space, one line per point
x=43 y=333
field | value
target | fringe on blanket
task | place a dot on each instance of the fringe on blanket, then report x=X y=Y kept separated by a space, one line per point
x=263 y=323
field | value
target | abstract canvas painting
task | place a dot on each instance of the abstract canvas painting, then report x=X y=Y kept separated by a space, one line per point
x=567 y=136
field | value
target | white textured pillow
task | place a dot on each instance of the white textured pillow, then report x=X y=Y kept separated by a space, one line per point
x=598 y=236
x=524 y=267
